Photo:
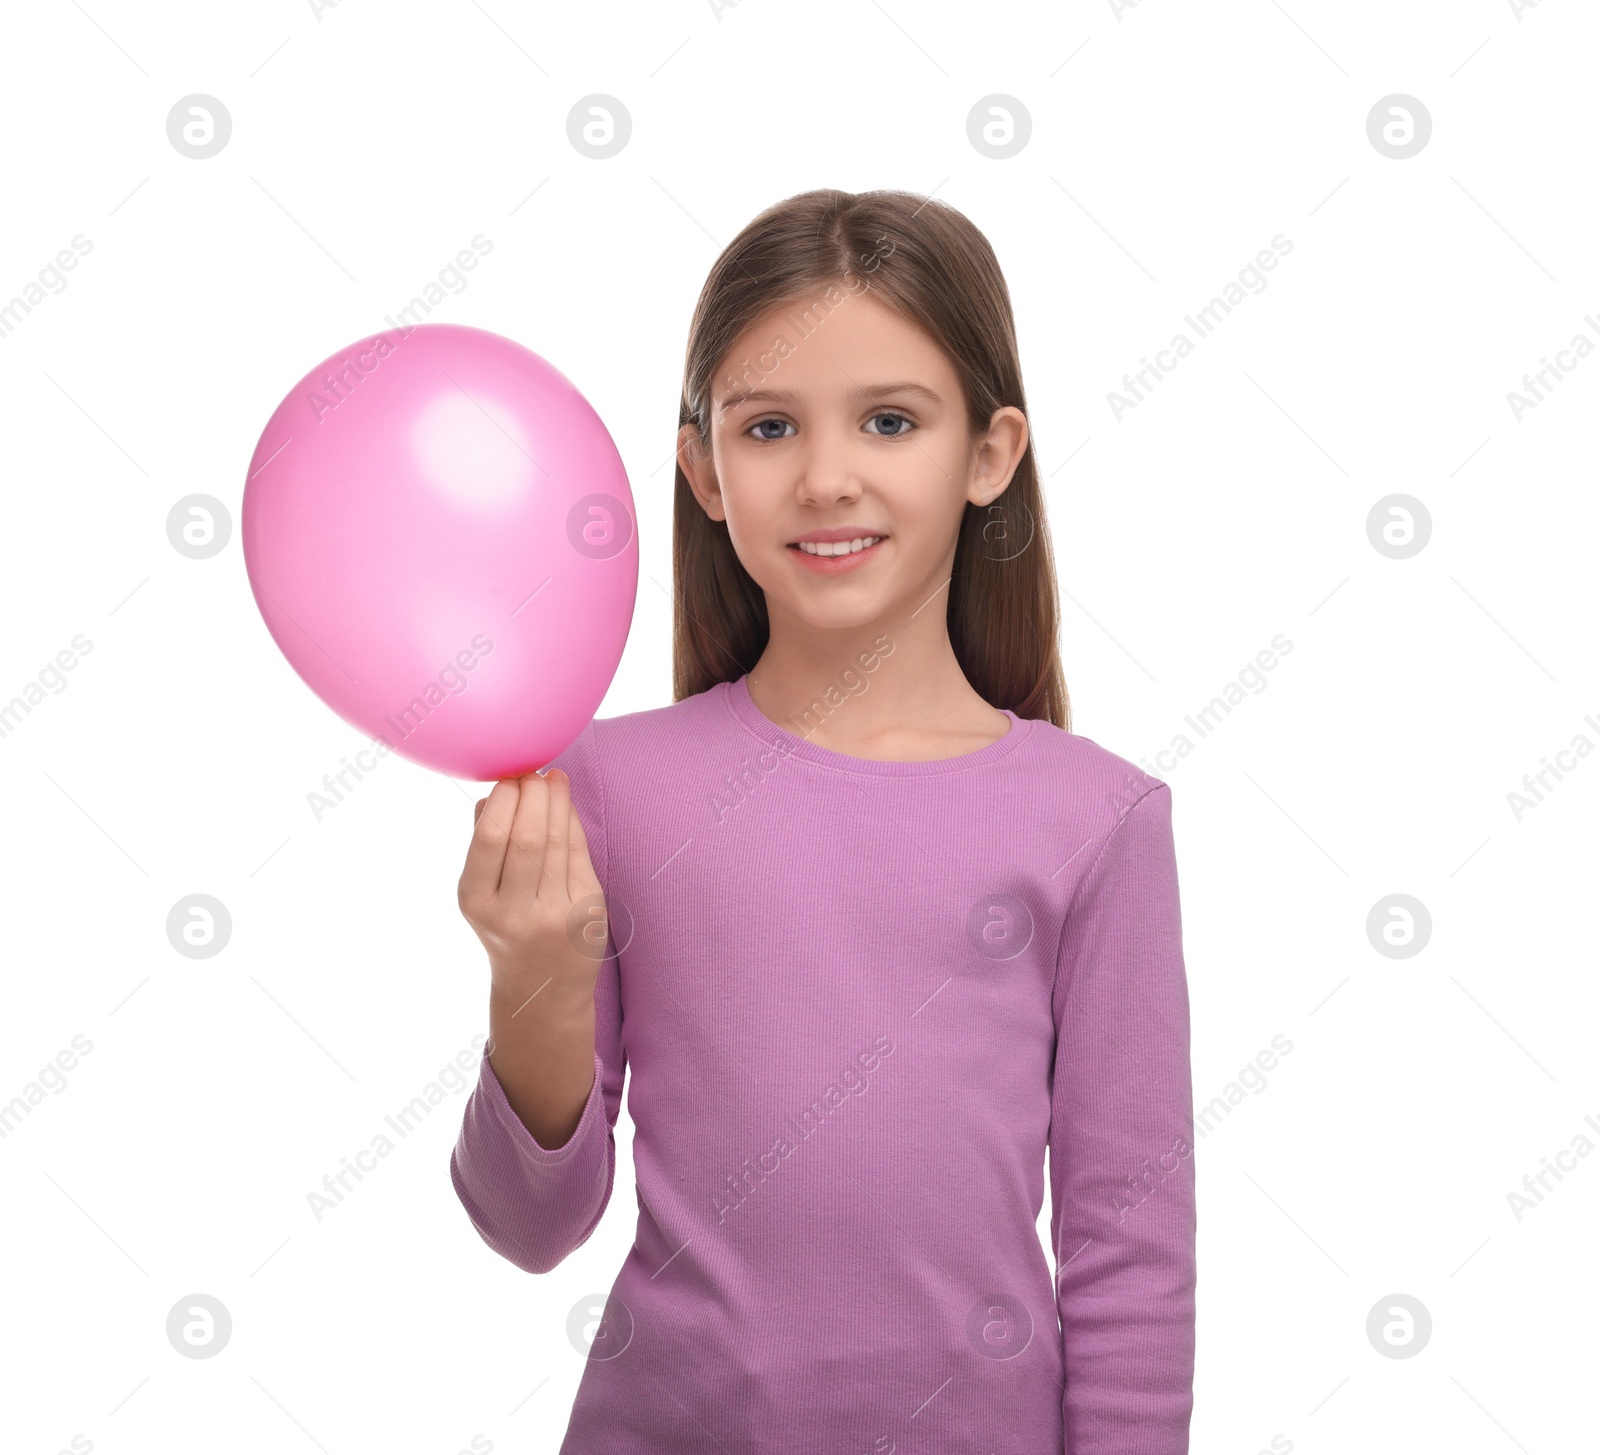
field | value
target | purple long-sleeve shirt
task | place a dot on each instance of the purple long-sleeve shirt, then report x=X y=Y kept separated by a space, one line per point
x=858 y=999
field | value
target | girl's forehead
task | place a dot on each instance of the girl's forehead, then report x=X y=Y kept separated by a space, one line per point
x=828 y=303
x=861 y=341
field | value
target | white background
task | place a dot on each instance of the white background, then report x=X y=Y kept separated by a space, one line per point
x=1170 y=143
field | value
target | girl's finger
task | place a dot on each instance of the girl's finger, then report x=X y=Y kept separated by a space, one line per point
x=480 y=879
x=477 y=809
x=519 y=879
x=555 y=838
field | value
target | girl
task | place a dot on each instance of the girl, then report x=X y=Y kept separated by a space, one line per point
x=869 y=925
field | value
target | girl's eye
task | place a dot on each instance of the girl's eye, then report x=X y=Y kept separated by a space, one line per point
x=760 y=428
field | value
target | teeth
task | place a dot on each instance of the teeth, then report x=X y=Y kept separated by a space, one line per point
x=838 y=548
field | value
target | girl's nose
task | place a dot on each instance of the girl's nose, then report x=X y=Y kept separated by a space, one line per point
x=829 y=470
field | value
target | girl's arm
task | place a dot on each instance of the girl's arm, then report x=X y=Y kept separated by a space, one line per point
x=534 y=1162
x=1121 y=1154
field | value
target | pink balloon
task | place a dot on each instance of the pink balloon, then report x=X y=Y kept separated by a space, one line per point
x=440 y=536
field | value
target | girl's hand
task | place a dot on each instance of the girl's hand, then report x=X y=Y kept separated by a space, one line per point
x=530 y=892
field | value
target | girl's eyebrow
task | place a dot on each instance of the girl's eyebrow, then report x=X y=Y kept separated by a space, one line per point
x=869 y=391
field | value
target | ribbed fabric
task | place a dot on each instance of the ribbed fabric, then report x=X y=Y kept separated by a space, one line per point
x=857 y=1000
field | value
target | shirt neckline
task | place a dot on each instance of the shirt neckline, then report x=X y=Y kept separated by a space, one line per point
x=737 y=696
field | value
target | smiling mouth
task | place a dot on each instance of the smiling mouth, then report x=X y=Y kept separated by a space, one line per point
x=836 y=548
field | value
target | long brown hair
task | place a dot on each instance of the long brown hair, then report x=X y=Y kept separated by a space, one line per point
x=933 y=266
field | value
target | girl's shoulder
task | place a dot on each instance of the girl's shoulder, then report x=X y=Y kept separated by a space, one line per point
x=655 y=728
x=703 y=734
x=1080 y=768
x=650 y=738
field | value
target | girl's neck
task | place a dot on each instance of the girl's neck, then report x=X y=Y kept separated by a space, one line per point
x=875 y=695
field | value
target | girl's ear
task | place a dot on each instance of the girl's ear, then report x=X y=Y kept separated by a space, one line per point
x=997 y=454
x=694 y=459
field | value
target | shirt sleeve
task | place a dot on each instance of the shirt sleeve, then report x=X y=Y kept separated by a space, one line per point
x=533 y=1204
x=1121 y=1155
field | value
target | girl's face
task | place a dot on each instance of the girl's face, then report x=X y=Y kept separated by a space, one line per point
x=855 y=432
